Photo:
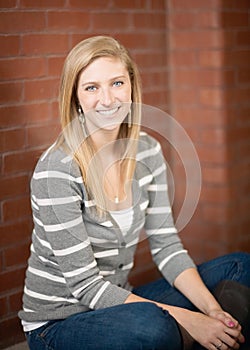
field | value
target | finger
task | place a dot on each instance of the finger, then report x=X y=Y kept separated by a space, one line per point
x=229 y=341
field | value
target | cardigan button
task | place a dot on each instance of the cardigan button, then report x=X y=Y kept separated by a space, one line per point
x=120 y=266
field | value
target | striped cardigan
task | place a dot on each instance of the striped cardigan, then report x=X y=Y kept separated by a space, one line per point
x=79 y=261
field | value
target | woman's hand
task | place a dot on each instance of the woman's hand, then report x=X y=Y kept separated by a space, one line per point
x=228 y=321
x=211 y=331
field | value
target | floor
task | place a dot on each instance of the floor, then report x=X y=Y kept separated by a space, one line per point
x=20 y=346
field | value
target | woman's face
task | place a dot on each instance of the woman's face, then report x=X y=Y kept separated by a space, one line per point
x=104 y=93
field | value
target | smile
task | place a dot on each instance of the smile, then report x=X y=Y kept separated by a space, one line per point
x=107 y=112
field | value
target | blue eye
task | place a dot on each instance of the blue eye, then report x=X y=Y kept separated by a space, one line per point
x=118 y=83
x=91 y=88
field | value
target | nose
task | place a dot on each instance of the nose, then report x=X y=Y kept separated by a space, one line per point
x=107 y=97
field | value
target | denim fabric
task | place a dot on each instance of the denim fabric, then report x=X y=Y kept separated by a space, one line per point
x=136 y=325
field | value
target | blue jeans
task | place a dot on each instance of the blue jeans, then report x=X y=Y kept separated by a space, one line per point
x=136 y=325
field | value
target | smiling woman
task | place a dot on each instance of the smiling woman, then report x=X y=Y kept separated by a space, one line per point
x=92 y=192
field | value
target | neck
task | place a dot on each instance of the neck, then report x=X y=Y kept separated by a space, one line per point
x=104 y=137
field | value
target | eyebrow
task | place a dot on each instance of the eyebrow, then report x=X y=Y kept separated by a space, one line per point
x=96 y=82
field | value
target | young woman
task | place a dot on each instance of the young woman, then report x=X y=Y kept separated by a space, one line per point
x=92 y=192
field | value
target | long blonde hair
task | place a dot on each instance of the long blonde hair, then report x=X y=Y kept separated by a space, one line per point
x=77 y=60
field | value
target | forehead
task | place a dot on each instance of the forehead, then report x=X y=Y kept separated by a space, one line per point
x=103 y=68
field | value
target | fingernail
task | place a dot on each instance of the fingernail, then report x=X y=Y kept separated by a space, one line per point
x=231 y=324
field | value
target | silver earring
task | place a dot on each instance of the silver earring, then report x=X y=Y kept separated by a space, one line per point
x=81 y=115
x=129 y=119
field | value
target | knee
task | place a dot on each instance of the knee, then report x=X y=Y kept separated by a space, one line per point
x=154 y=328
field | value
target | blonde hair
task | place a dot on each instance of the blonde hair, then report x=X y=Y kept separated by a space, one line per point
x=77 y=60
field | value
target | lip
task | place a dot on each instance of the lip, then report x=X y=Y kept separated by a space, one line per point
x=108 y=112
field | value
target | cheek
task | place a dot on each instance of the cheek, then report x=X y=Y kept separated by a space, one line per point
x=87 y=103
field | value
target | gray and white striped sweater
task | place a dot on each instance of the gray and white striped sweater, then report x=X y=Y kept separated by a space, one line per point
x=79 y=261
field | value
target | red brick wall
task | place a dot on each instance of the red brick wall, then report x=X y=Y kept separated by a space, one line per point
x=193 y=58
x=209 y=54
x=35 y=37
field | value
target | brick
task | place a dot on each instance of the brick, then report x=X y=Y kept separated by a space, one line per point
x=218 y=214
x=44 y=44
x=55 y=66
x=134 y=5
x=21 y=22
x=212 y=156
x=18 y=231
x=23 y=68
x=243 y=76
x=17 y=162
x=216 y=195
x=15 y=301
x=211 y=58
x=95 y=4
x=16 y=256
x=236 y=4
x=201 y=78
x=182 y=20
x=158 y=4
x=12 y=279
x=68 y=20
x=31 y=114
x=214 y=136
x=212 y=97
x=152 y=21
x=208 y=19
x=3 y=306
x=215 y=174
x=239 y=58
x=234 y=19
x=43 y=89
x=7 y=3
x=243 y=37
x=42 y=4
x=10 y=332
x=14 y=186
x=11 y=92
x=194 y=4
x=13 y=139
x=42 y=135
x=16 y=208
x=185 y=96
x=203 y=39
x=10 y=45
x=183 y=58
x=110 y=21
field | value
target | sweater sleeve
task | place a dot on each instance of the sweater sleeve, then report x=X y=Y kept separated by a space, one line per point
x=166 y=247
x=61 y=239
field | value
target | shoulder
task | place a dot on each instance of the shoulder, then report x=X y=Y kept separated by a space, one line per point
x=57 y=159
x=148 y=147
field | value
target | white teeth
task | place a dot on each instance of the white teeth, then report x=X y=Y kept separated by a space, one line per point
x=108 y=111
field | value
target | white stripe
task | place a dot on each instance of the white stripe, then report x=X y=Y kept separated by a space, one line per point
x=159 y=210
x=148 y=153
x=98 y=295
x=57 y=201
x=128 y=266
x=63 y=225
x=48 y=297
x=107 y=223
x=57 y=175
x=89 y=204
x=158 y=187
x=47 y=261
x=78 y=291
x=162 y=231
x=145 y=180
x=42 y=241
x=106 y=253
x=166 y=260
x=144 y=205
x=34 y=205
x=46 y=275
x=47 y=151
x=155 y=251
x=143 y=133
x=66 y=159
x=134 y=242
x=81 y=270
x=106 y=273
x=73 y=249
x=159 y=170
x=101 y=240
x=27 y=310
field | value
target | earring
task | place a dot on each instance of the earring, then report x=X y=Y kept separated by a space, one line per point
x=81 y=115
x=129 y=119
